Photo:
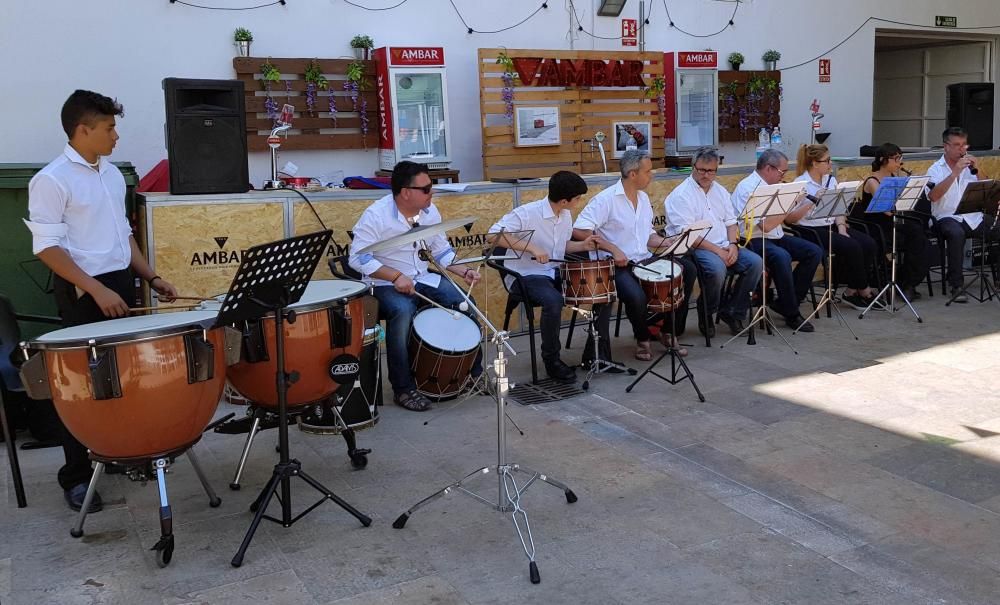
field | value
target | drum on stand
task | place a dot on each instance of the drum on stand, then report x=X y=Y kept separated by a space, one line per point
x=444 y=345
x=589 y=282
x=135 y=388
x=663 y=282
x=329 y=324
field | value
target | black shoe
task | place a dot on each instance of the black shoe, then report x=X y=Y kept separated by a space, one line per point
x=960 y=298
x=560 y=372
x=706 y=330
x=799 y=323
x=856 y=300
x=412 y=400
x=75 y=496
x=735 y=323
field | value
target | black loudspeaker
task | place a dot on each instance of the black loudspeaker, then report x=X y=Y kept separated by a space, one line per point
x=970 y=105
x=206 y=136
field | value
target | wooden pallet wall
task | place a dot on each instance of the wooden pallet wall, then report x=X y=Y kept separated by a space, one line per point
x=760 y=108
x=309 y=131
x=582 y=112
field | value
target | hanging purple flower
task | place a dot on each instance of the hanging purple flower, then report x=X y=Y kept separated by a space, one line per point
x=364 y=116
x=288 y=90
x=333 y=108
x=311 y=97
x=271 y=107
x=508 y=96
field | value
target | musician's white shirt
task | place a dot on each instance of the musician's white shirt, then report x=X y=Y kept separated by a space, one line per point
x=551 y=233
x=946 y=206
x=688 y=204
x=739 y=199
x=812 y=188
x=381 y=221
x=610 y=215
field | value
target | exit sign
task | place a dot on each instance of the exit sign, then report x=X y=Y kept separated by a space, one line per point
x=942 y=21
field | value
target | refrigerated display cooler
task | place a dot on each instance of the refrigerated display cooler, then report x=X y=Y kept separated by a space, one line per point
x=692 y=92
x=412 y=88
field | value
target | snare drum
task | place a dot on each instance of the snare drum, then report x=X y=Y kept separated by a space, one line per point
x=134 y=388
x=443 y=348
x=329 y=323
x=589 y=282
x=663 y=283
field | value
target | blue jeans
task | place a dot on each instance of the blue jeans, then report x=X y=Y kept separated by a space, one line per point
x=398 y=310
x=712 y=275
x=542 y=291
x=792 y=286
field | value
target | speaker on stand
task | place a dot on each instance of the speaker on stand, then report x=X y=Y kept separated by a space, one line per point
x=206 y=136
x=970 y=105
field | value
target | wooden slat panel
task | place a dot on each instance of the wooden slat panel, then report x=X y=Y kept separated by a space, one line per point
x=307 y=123
x=255 y=104
x=251 y=65
x=487 y=54
x=544 y=158
x=316 y=141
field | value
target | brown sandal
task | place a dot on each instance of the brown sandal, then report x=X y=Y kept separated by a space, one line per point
x=668 y=340
x=413 y=400
x=643 y=352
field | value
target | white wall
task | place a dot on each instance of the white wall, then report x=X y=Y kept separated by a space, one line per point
x=124 y=48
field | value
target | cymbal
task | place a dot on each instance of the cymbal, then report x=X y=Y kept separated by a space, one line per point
x=416 y=234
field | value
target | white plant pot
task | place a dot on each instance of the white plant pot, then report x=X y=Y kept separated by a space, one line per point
x=243 y=47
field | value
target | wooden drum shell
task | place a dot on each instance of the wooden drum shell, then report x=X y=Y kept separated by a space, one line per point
x=158 y=413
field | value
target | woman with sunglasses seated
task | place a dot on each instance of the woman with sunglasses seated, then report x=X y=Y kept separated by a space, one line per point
x=854 y=251
x=912 y=243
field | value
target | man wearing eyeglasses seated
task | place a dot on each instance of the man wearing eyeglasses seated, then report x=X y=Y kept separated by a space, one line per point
x=781 y=249
x=398 y=273
x=700 y=198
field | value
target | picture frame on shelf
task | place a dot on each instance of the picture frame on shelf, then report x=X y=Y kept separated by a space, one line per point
x=537 y=126
x=631 y=135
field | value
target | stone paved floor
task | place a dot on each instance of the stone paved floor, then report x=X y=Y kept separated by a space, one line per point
x=854 y=472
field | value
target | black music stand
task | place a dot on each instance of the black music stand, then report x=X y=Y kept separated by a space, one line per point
x=980 y=196
x=684 y=243
x=271 y=277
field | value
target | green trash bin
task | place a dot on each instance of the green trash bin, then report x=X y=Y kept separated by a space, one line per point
x=23 y=278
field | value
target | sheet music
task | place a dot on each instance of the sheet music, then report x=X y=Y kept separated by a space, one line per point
x=828 y=205
x=911 y=193
x=787 y=198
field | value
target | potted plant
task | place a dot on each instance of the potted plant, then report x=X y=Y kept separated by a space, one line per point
x=242 y=38
x=770 y=58
x=735 y=60
x=362 y=46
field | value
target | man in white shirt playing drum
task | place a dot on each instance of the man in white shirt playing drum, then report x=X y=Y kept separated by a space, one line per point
x=76 y=206
x=623 y=218
x=781 y=249
x=552 y=225
x=700 y=198
x=398 y=273
x=951 y=175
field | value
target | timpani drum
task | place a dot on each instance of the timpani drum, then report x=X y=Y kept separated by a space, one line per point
x=443 y=348
x=329 y=325
x=135 y=388
x=589 y=282
x=663 y=283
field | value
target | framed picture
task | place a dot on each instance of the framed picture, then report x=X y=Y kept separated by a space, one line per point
x=536 y=126
x=631 y=135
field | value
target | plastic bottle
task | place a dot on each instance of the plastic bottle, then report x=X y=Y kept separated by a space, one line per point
x=764 y=139
x=776 y=138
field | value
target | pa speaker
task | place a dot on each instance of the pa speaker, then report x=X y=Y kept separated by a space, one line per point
x=970 y=105
x=206 y=136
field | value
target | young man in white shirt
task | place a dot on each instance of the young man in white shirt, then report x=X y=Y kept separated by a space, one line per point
x=552 y=225
x=398 y=273
x=781 y=249
x=76 y=206
x=700 y=198
x=623 y=218
x=951 y=175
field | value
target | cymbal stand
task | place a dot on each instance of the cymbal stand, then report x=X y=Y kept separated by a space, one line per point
x=509 y=491
x=598 y=365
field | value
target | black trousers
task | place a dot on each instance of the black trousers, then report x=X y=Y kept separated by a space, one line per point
x=74 y=311
x=955 y=231
x=911 y=245
x=853 y=256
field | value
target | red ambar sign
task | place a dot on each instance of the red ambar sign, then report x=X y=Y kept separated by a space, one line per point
x=416 y=55
x=703 y=58
x=581 y=72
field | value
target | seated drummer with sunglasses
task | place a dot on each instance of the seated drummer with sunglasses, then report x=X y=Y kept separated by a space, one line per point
x=398 y=273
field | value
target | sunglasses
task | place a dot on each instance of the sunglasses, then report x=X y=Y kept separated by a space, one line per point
x=426 y=189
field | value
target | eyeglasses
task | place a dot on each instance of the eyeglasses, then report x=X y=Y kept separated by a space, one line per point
x=779 y=170
x=425 y=189
x=706 y=171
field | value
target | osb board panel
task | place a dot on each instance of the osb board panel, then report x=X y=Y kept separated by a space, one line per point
x=857 y=173
x=486 y=208
x=197 y=247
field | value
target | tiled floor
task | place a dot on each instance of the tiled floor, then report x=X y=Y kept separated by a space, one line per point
x=854 y=472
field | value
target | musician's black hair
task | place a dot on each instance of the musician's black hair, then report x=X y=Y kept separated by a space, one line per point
x=565 y=185
x=403 y=174
x=84 y=106
x=953 y=131
x=883 y=153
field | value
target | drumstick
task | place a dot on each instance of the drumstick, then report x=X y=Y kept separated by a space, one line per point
x=165 y=297
x=160 y=308
x=453 y=312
